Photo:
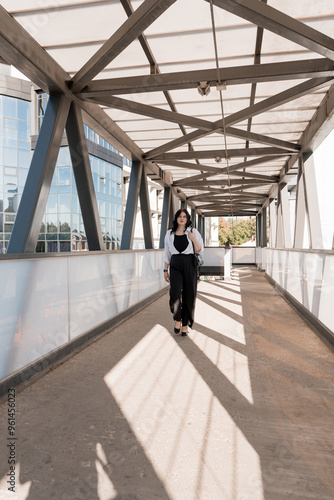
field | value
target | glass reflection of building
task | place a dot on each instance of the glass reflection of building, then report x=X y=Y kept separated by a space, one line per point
x=14 y=148
x=62 y=229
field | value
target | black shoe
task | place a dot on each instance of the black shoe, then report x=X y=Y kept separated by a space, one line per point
x=184 y=334
x=176 y=330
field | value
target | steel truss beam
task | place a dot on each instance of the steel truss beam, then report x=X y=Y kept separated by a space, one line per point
x=230 y=182
x=134 y=26
x=233 y=169
x=317 y=130
x=229 y=209
x=248 y=175
x=226 y=203
x=237 y=187
x=212 y=200
x=152 y=112
x=151 y=59
x=21 y=50
x=314 y=68
x=263 y=139
x=229 y=213
x=213 y=153
x=253 y=110
x=283 y=25
x=222 y=193
x=189 y=166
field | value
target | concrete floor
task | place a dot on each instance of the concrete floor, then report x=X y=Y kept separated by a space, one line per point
x=241 y=409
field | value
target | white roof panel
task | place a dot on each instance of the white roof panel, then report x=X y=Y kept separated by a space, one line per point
x=181 y=41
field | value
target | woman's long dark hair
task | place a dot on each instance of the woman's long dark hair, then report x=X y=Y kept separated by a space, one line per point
x=175 y=224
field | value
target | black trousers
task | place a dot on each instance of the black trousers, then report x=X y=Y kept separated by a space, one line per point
x=183 y=288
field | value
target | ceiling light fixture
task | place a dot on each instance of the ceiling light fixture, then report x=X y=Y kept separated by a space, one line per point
x=203 y=88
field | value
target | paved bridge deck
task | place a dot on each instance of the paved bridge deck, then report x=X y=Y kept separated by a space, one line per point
x=242 y=409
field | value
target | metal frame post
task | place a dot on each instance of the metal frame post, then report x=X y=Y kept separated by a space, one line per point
x=83 y=178
x=279 y=226
x=193 y=217
x=264 y=239
x=300 y=209
x=146 y=211
x=286 y=216
x=313 y=210
x=258 y=229
x=272 y=222
x=131 y=206
x=203 y=229
x=35 y=195
x=165 y=215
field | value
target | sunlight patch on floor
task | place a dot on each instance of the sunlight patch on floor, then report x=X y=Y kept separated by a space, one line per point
x=105 y=487
x=192 y=442
x=231 y=363
x=222 y=315
x=21 y=489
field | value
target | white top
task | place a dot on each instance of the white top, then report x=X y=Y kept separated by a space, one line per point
x=170 y=248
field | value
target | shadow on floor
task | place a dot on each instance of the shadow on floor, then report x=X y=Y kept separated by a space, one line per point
x=241 y=409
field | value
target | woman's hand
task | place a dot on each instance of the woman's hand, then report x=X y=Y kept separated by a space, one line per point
x=166 y=276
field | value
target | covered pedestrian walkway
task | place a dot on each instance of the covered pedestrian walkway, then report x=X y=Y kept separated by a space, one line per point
x=198 y=98
x=242 y=408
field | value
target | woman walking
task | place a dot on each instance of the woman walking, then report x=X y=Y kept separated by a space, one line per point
x=181 y=242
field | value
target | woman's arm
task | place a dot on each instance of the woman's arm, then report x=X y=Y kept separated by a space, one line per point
x=196 y=238
x=167 y=257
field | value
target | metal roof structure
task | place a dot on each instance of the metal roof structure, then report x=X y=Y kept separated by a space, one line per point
x=218 y=98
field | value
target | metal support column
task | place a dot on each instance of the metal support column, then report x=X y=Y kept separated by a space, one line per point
x=83 y=178
x=258 y=229
x=166 y=208
x=280 y=222
x=203 y=227
x=203 y=232
x=286 y=216
x=146 y=211
x=272 y=222
x=264 y=239
x=171 y=209
x=199 y=224
x=313 y=210
x=300 y=209
x=36 y=190
x=131 y=206
x=193 y=217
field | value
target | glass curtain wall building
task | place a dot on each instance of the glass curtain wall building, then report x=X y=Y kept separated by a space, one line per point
x=62 y=229
x=14 y=151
